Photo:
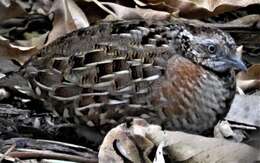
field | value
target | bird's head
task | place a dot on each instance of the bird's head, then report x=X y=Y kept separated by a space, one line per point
x=211 y=48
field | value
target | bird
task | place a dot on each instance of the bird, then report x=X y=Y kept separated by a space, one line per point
x=171 y=73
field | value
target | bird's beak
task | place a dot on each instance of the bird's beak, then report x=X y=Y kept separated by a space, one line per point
x=235 y=60
x=237 y=63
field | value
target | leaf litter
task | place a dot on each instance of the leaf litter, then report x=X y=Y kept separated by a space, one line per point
x=142 y=142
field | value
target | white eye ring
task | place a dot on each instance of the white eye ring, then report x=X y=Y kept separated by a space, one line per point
x=212 y=48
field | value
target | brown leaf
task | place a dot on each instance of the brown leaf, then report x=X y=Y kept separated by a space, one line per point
x=248 y=84
x=67 y=18
x=249 y=79
x=253 y=72
x=118 y=137
x=134 y=13
x=19 y=53
x=199 y=8
x=180 y=146
x=195 y=148
x=77 y=14
x=37 y=41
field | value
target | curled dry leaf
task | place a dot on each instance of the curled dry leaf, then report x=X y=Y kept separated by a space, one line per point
x=118 y=141
x=223 y=130
x=21 y=50
x=77 y=14
x=199 y=8
x=134 y=13
x=25 y=37
x=249 y=79
x=248 y=84
x=19 y=53
x=67 y=18
x=253 y=72
x=180 y=146
x=37 y=42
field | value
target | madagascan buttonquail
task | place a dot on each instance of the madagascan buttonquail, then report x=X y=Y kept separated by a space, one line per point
x=174 y=74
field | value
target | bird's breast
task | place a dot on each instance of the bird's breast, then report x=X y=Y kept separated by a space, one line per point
x=190 y=97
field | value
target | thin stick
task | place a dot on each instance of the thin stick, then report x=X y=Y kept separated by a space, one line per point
x=7 y=152
x=41 y=154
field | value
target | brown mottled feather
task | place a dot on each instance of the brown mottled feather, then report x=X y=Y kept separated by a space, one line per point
x=109 y=73
x=191 y=96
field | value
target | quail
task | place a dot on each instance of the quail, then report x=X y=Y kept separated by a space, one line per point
x=172 y=73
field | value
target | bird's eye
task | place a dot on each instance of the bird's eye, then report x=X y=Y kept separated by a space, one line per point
x=212 y=48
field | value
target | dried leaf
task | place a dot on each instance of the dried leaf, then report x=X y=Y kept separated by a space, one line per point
x=248 y=84
x=10 y=11
x=67 y=18
x=253 y=72
x=119 y=138
x=37 y=42
x=199 y=8
x=249 y=79
x=245 y=109
x=193 y=148
x=77 y=14
x=19 y=53
x=180 y=146
x=134 y=13
x=245 y=21
x=223 y=130
x=232 y=132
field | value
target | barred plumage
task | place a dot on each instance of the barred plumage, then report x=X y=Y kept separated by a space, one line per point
x=111 y=72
